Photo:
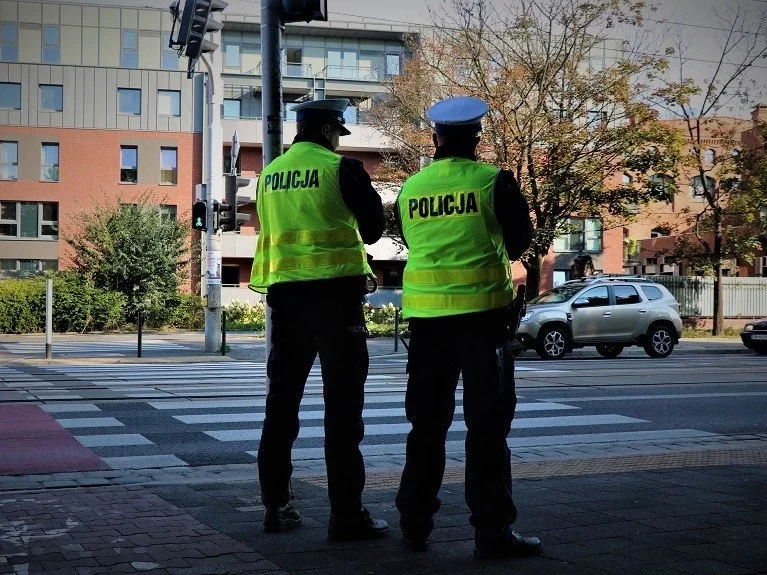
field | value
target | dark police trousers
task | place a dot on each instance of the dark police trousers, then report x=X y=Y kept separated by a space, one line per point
x=301 y=328
x=441 y=349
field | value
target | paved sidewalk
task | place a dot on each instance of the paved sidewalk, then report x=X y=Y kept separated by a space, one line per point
x=698 y=514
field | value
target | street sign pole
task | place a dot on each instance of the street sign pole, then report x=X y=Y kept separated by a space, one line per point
x=214 y=167
x=271 y=42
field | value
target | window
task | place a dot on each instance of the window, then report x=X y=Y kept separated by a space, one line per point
x=627 y=180
x=168 y=211
x=129 y=49
x=594 y=297
x=128 y=164
x=231 y=54
x=596 y=118
x=129 y=101
x=697 y=186
x=232 y=108
x=10 y=96
x=662 y=183
x=51 y=98
x=169 y=102
x=625 y=295
x=38 y=220
x=294 y=57
x=652 y=292
x=9 y=160
x=9 y=46
x=393 y=64
x=51 y=44
x=168 y=166
x=710 y=156
x=659 y=232
x=28 y=265
x=351 y=115
x=230 y=275
x=49 y=163
x=169 y=57
x=585 y=235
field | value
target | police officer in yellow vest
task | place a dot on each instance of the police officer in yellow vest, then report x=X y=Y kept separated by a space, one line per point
x=317 y=209
x=463 y=221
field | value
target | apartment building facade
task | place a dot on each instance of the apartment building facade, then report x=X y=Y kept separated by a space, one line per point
x=655 y=235
x=94 y=111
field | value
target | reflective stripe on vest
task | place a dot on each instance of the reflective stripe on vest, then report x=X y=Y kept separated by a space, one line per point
x=338 y=236
x=451 y=276
x=461 y=303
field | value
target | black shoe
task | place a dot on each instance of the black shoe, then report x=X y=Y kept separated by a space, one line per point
x=509 y=544
x=282 y=518
x=356 y=527
x=415 y=534
x=415 y=542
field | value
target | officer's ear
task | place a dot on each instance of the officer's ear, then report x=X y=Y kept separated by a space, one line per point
x=435 y=140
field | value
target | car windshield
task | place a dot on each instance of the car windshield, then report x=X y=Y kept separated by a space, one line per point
x=558 y=294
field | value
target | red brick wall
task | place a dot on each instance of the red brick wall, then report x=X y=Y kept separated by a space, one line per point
x=89 y=176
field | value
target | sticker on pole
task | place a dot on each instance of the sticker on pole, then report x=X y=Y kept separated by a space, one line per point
x=213 y=267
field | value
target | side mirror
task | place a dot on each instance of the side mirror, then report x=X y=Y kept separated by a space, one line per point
x=580 y=302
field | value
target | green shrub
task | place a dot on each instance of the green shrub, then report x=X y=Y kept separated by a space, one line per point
x=241 y=315
x=22 y=305
x=187 y=312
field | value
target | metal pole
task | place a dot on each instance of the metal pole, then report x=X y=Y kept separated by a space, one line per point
x=48 y=317
x=140 y=328
x=271 y=44
x=214 y=146
x=223 y=332
x=396 y=329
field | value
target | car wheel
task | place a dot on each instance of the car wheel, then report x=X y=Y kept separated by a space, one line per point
x=552 y=343
x=609 y=350
x=659 y=342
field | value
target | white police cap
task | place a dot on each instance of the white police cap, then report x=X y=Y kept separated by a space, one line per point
x=463 y=114
x=322 y=110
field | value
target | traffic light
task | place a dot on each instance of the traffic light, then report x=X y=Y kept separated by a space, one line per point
x=195 y=23
x=229 y=216
x=199 y=216
x=304 y=10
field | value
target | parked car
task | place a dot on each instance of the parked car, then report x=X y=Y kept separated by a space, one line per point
x=608 y=312
x=754 y=336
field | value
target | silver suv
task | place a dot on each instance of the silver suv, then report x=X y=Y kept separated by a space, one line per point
x=609 y=312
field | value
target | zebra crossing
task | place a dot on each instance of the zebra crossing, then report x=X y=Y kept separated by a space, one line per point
x=74 y=381
x=193 y=432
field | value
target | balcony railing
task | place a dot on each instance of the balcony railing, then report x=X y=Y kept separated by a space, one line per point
x=358 y=73
x=289 y=70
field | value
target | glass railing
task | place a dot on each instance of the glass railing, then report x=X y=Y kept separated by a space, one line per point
x=358 y=73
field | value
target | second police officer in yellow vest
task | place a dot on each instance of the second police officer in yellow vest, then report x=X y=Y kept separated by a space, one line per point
x=463 y=221
x=317 y=209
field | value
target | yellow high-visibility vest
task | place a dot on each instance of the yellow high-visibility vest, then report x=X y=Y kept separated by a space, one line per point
x=457 y=261
x=307 y=231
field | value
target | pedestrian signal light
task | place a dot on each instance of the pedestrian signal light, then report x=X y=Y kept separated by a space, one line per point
x=199 y=216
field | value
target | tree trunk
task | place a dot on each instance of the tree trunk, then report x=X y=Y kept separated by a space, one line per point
x=718 y=300
x=533 y=268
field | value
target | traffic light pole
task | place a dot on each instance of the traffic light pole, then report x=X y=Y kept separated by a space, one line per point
x=214 y=167
x=271 y=42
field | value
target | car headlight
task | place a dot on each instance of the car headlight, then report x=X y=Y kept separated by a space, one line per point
x=748 y=327
x=527 y=316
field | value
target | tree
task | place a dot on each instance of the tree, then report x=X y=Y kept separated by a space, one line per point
x=699 y=105
x=134 y=249
x=569 y=125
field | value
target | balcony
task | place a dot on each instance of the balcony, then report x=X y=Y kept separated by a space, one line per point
x=250 y=131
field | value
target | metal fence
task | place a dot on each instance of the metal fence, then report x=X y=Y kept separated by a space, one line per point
x=743 y=297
